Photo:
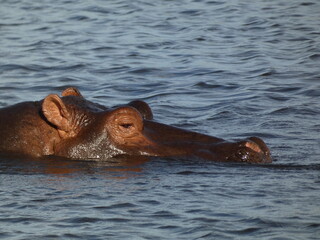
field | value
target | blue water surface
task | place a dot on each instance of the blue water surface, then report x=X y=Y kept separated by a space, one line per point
x=231 y=69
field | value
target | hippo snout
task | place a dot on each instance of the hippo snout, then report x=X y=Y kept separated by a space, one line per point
x=253 y=150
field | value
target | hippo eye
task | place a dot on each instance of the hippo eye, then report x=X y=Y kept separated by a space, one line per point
x=126 y=125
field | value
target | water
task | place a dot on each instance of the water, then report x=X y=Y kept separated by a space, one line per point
x=231 y=69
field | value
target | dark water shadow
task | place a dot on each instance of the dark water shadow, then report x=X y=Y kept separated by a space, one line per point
x=131 y=166
x=208 y=166
x=120 y=167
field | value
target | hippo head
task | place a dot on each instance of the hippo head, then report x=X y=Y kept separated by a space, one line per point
x=91 y=131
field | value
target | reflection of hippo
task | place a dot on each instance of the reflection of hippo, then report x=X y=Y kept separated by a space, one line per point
x=75 y=128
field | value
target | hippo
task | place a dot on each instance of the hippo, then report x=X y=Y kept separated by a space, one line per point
x=69 y=126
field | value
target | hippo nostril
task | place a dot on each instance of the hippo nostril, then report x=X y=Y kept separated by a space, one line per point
x=243 y=155
x=253 y=146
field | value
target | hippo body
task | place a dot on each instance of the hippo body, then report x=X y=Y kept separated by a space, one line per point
x=73 y=127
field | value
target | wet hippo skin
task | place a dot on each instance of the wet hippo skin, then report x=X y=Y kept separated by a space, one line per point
x=72 y=127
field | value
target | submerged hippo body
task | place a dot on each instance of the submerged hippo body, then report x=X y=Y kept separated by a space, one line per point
x=75 y=128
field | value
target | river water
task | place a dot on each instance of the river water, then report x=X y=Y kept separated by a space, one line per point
x=231 y=69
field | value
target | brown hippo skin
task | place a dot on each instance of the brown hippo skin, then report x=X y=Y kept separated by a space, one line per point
x=72 y=127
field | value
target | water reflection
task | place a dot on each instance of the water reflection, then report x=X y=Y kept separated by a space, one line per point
x=118 y=168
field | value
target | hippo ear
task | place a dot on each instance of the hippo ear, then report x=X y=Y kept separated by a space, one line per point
x=56 y=112
x=71 y=91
